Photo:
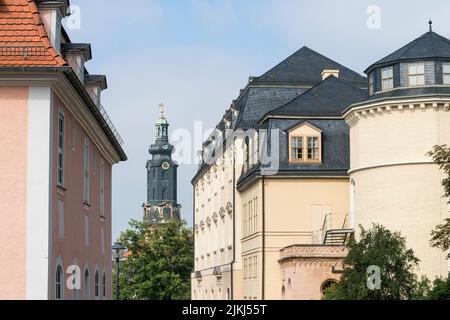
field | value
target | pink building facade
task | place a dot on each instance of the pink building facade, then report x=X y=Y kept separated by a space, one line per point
x=58 y=149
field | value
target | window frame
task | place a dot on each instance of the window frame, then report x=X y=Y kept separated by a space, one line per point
x=60 y=151
x=389 y=79
x=86 y=174
x=102 y=188
x=305 y=158
x=371 y=84
x=96 y=285
x=295 y=149
x=444 y=74
x=417 y=74
x=59 y=283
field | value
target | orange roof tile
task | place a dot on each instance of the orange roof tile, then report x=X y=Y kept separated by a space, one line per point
x=23 y=38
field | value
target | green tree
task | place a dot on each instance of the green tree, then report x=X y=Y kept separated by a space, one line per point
x=441 y=234
x=387 y=250
x=160 y=263
x=440 y=290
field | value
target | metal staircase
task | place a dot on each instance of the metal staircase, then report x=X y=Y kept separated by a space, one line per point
x=333 y=234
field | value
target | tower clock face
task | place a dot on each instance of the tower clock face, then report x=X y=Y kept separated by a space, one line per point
x=165 y=165
x=166 y=146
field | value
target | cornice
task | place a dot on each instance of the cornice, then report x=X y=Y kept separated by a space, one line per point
x=62 y=87
x=354 y=114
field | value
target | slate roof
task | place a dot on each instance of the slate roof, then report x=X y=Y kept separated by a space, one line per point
x=23 y=39
x=429 y=45
x=305 y=67
x=328 y=98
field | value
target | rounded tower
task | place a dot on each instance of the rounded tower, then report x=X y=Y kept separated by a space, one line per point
x=393 y=181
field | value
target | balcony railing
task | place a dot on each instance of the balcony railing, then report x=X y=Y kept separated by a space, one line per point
x=22 y=51
x=96 y=98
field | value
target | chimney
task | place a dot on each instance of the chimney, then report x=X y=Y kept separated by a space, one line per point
x=330 y=72
x=95 y=84
x=76 y=54
x=52 y=13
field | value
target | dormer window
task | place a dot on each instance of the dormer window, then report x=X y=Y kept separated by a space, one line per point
x=446 y=73
x=416 y=74
x=387 y=78
x=305 y=144
x=313 y=148
x=297 y=148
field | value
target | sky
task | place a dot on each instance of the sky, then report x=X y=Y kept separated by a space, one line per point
x=195 y=55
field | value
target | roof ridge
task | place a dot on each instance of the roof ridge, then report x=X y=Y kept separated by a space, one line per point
x=324 y=81
x=285 y=59
x=301 y=94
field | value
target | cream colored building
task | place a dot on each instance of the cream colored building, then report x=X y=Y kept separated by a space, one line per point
x=394 y=182
x=244 y=215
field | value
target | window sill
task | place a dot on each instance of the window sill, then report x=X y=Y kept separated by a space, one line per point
x=60 y=189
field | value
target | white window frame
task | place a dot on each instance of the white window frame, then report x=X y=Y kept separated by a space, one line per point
x=102 y=188
x=60 y=145
x=446 y=73
x=387 y=78
x=86 y=189
x=414 y=73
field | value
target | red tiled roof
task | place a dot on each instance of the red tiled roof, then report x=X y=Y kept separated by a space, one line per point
x=23 y=38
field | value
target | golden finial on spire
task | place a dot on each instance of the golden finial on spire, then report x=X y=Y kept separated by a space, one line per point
x=161 y=109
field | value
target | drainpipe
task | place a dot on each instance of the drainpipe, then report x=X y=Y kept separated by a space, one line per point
x=263 y=289
x=234 y=221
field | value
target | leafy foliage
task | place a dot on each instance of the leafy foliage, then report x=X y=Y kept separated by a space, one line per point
x=441 y=234
x=440 y=290
x=387 y=250
x=160 y=263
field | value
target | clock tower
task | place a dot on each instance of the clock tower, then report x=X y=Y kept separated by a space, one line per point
x=161 y=177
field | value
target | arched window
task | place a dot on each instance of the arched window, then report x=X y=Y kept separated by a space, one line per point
x=59 y=283
x=154 y=174
x=327 y=284
x=86 y=285
x=164 y=174
x=104 y=285
x=154 y=194
x=164 y=194
x=283 y=292
x=96 y=284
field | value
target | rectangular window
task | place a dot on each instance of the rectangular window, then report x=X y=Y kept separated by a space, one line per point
x=446 y=73
x=416 y=74
x=313 y=148
x=371 y=84
x=102 y=188
x=387 y=78
x=297 y=148
x=74 y=133
x=60 y=160
x=255 y=266
x=86 y=170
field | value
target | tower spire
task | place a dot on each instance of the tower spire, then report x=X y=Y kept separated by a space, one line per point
x=430 y=22
x=161 y=109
